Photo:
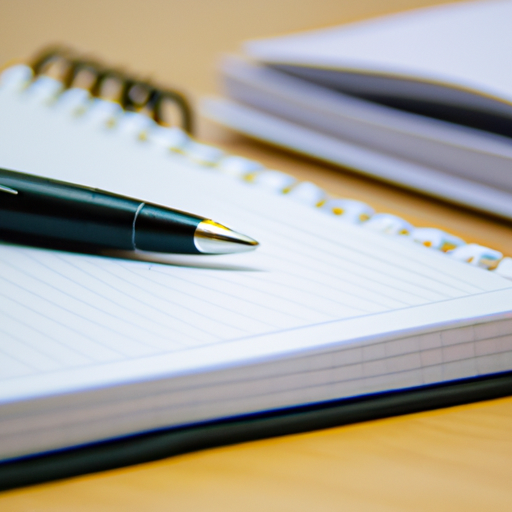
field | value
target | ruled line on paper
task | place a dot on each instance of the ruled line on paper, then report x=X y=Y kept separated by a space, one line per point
x=263 y=303
x=271 y=278
x=355 y=291
x=86 y=343
x=275 y=315
x=373 y=278
x=13 y=367
x=155 y=306
x=101 y=305
x=327 y=303
x=207 y=308
x=378 y=250
x=59 y=350
x=92 y=316
x=388 y=250
x=27 y=356
x=150 y=341
x=325 y=298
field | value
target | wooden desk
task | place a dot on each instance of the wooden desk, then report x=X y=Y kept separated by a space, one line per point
x=451 y=459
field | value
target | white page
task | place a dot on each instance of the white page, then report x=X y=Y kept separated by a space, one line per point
x=464 y=45
x=68 y=320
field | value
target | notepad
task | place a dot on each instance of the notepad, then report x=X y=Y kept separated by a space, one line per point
x=97 y=347
x=420 y=99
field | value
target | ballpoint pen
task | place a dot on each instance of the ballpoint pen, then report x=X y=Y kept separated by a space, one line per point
x=36 y=210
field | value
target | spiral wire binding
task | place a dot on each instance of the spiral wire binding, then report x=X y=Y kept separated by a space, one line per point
x=133 y=94
x=119 y=100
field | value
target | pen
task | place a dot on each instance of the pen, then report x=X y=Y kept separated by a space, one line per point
x=35 y=210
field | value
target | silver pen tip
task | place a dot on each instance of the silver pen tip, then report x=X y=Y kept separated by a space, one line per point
x=213 y=238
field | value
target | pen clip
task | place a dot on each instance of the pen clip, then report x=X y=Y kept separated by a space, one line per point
x=8 y=190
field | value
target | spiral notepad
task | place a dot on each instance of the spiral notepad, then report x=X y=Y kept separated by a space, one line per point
x=337 y=302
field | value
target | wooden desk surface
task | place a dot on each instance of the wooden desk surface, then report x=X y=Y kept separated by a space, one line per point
x=451 y=459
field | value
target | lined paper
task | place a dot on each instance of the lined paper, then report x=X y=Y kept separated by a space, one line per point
x=61 y=311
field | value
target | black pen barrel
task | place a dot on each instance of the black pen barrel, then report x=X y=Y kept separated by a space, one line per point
x=164 y=230
x=44 y=211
